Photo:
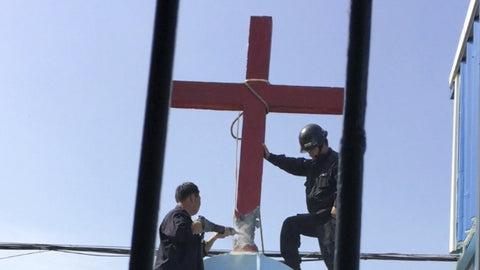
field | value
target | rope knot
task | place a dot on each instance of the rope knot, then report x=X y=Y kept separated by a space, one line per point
x=267 y=108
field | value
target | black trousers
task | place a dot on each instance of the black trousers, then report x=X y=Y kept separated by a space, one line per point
x=321 y=226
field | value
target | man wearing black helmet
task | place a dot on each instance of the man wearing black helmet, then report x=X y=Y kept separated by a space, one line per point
x=321 y=193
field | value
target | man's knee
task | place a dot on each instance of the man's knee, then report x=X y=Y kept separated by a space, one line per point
x=289 y=226
x=289 y=222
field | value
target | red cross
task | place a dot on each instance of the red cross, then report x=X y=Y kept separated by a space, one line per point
x=238 y=97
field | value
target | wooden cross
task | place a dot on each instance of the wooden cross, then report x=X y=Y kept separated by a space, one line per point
x=254 y=98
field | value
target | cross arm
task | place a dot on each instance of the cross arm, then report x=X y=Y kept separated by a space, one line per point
x=207 y=95
x=303 y=99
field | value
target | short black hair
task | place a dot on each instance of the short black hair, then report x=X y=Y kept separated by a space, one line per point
x=185 y=190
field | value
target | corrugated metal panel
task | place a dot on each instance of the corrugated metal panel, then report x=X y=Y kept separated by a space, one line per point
x=467 y=173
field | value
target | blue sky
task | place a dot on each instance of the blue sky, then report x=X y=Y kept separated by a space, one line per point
x=72 y=99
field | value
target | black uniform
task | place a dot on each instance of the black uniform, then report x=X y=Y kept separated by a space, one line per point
x=321 y=193
x=179 y=248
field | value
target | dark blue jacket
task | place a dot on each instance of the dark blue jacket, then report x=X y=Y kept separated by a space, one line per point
x=179 y=248
x=321 y=173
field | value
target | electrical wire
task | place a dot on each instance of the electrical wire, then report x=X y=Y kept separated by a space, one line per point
x=125 y=252
x=93 y=254
x=23 y=254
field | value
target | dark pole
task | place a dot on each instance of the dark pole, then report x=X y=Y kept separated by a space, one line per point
x=347 y=253
x=154 y=136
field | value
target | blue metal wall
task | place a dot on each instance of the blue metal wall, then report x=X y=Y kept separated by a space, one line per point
x=468 y=144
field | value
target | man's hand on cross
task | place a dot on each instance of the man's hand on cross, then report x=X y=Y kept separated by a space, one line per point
x=266 y=153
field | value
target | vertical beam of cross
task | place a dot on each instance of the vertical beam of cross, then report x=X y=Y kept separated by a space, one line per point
x=254 y=117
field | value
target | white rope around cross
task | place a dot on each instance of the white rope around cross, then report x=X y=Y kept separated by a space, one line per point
x=255 y=92
x=249 y=87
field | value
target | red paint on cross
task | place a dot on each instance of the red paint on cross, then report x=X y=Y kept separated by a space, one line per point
x=238 y=97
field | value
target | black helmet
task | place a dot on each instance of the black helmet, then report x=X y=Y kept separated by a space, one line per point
x=311 y=135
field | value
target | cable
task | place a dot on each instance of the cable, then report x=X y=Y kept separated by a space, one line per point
x=93 y=254
x=237 y=139
x=261 y=230
x=24 y=254
x=316 y=256
x=306 y=256
x=49 y=247
x=237 y=120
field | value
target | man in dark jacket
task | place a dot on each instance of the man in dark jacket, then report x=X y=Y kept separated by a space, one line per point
x=320 y=191
x=181 y=244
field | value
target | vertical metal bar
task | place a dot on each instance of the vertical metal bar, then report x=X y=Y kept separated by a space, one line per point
x=347 y=253
x=154 y=136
